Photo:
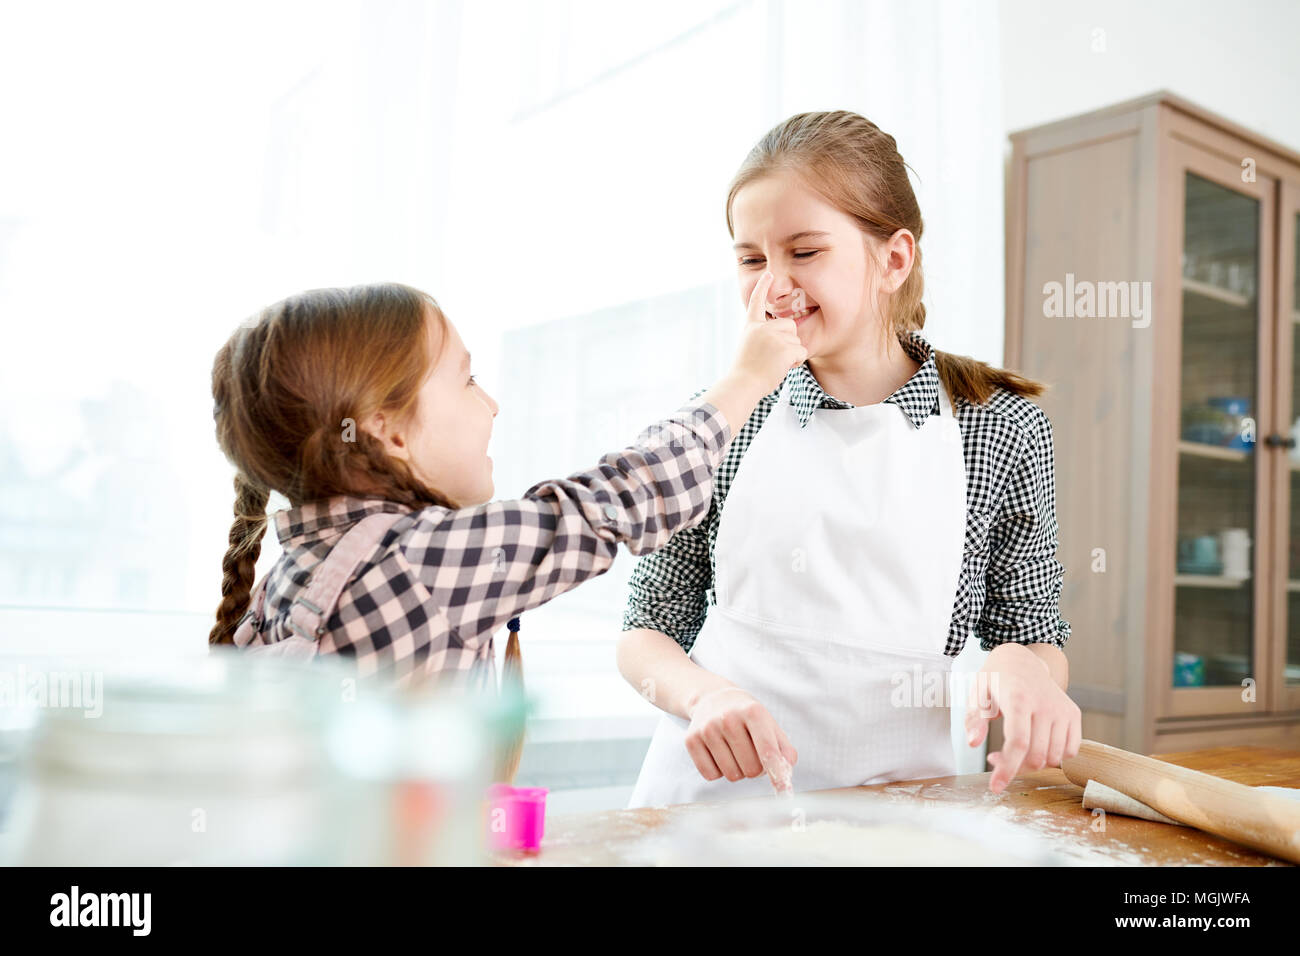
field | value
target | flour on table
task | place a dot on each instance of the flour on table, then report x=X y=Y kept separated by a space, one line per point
x=828 y=842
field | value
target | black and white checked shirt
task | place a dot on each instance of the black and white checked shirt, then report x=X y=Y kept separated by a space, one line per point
x=442 y=581
x=1010 y=583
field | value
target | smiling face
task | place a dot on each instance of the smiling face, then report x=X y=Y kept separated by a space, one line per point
x=446 y=438
x=822 y=263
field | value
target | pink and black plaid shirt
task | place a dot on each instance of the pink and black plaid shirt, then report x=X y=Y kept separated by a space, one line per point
x=441 y=582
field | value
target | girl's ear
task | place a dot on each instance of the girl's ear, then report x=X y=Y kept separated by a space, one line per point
x=896 y=257
x=393 y=440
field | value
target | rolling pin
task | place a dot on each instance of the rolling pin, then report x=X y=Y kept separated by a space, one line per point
x=1231 y=810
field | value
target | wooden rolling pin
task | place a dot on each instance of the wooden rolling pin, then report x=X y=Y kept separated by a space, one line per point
x=1231 y=810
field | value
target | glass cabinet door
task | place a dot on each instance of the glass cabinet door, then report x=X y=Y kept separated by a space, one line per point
x=1214 y=583
x=1290 y=435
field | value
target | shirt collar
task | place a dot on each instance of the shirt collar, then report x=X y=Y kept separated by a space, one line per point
x=918 y=397
x=294 y=526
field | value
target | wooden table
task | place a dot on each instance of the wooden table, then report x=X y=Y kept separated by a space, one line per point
x=1042 y=800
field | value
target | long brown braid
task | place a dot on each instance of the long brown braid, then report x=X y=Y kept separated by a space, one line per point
x=241 y=558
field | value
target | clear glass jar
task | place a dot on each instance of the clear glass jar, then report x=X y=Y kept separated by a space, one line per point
x=229 y=760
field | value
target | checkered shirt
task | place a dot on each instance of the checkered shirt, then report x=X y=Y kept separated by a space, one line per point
x=441 y=582
x=1010 y=583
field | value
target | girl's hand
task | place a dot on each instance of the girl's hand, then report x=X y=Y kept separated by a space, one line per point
x=769 y=348
x=732 y=735
x=1041 y=725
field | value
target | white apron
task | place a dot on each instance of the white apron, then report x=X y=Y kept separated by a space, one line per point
x=838 y=558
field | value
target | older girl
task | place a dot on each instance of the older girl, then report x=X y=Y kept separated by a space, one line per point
x=880 y=506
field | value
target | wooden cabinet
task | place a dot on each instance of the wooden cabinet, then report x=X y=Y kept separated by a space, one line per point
x=1153 y=284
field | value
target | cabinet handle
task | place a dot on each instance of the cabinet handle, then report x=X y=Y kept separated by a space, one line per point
x=1277 y=441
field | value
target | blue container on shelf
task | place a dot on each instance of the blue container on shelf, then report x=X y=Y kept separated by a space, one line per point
x=1189 y=670
x=1204 y=434
x=1237 y=408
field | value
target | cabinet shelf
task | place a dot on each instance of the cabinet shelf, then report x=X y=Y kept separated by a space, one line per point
x=1202 y=450
x=1219 y=581
x=1218 y=293
x=1209 y=581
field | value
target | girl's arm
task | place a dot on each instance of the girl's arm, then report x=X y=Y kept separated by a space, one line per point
x=666 y=607
x=1022 y=627
x=1023 y=579
x=1058 y=665
x=484 y=565
x=668 y=590
x=659 y=668
x=730 y=733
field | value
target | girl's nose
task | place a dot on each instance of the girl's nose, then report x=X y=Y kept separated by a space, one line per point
x=781 y=287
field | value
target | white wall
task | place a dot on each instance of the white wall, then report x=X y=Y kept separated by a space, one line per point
x=1241 y=60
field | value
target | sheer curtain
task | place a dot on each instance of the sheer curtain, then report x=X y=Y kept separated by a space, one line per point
x=553 y=173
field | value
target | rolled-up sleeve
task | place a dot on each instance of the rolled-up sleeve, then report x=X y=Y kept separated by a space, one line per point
x=487 y=564
x=668 y=590
x=1023 y=580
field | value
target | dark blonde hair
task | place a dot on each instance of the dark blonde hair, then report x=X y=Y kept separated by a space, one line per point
x=284 y=387
x=856 y=167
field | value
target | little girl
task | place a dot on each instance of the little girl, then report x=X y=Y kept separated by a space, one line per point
x=888 y=502
x=358 y=406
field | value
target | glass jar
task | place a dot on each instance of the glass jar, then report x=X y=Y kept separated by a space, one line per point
x=230 y=760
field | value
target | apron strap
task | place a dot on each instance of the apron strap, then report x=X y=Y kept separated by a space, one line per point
x=251 y=622
x=314 y=604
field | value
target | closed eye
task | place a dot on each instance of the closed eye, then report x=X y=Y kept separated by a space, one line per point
x=753 y=260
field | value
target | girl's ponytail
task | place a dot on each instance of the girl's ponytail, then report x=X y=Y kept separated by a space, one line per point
x=974 y=381
x=963 y=377
x=238 y=566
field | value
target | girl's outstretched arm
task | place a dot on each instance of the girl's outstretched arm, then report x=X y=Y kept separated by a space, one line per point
x=484 y=565
x=451 y=578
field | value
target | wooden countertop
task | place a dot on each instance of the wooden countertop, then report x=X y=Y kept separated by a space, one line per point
x=1042 y=800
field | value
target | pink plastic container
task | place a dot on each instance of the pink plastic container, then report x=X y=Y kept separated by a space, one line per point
x=516 y=817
